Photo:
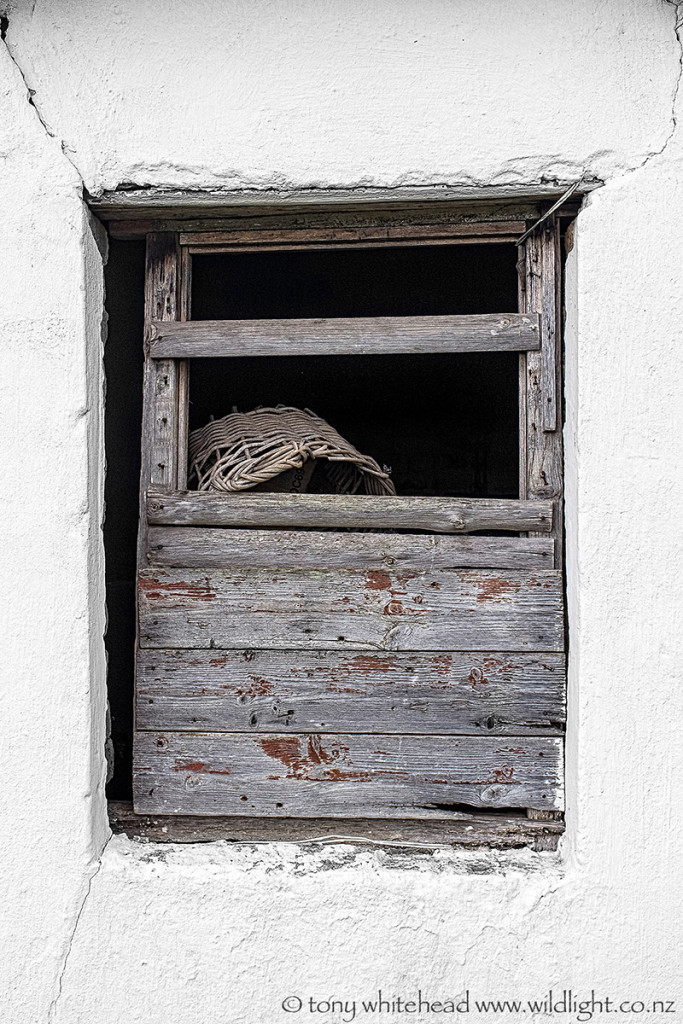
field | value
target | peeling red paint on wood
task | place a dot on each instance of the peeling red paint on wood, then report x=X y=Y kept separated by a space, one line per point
x=378 y=580
x=283 y=748
x=260 y=688
x=501 y=668
x=497 y=589
x=511 y=610
x=477 y=677
x=159 y=589
x=364 y=663
x=199 y=768
x=315 y=762
x=402 y=776
x=331 y=692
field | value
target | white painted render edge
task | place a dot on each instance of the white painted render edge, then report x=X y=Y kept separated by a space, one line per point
x=145 y=199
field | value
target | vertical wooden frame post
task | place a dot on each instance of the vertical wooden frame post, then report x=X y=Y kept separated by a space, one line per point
x=541 y=459
x=159 y=464
x=540 y=382
x=184 y=313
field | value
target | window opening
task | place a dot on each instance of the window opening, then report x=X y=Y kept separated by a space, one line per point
x=448 y=423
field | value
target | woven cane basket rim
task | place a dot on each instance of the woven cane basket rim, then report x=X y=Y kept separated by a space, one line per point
x=244 y=449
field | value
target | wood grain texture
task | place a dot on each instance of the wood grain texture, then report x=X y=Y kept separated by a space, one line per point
x=521 y=376
x=490 y=332
x=501 y=831
x=544 y=466
x=543 y=447
x=160 y=381
x=184 y=312
x=549 y=327
x=210 y=548
x=445 y=609
x=160 y=425
x=228 y=247
x=354 y=236
x=535 y=815
x=410 y=217
x=343 y=511
x=328 y=691
x=342 y=775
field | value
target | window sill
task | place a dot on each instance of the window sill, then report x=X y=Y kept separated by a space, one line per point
x=497 y=831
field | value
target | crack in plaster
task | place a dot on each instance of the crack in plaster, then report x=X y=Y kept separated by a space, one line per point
x=30 y=94
x=131 y=187
x=678 y=25
x=52 y=1009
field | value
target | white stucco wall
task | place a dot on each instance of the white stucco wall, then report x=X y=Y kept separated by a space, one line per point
x=341 y=95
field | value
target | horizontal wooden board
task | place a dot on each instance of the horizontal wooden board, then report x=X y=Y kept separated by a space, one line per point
x=346 y=511
x=431 y=234
x=209 y=548
x=445 y=609
x=232 y=247
x=486 y=332
x=189 y=215
x=502 y=831
x=330 y=691
x=342 y=775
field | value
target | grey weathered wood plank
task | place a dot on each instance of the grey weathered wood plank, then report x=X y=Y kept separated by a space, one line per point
x=501 y=831
x=489 y=332
x=308 y=236
x=184 y=312
x=543 y=447
x=160 y=414
x=211 y=548
x=328 y=691
x=549 y=328
x=410 y=219
x=522 y=284
x=435 y=515
x=160 y=398
x=544 y=480
x=342 y=775
x=237 y=247
x=445 y=609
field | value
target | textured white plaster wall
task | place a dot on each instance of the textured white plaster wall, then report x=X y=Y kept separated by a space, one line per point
x=341 y=95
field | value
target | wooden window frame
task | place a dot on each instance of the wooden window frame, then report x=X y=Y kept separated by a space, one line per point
x=171 y=338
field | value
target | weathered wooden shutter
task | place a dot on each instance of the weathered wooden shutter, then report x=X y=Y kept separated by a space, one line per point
x=292 y=674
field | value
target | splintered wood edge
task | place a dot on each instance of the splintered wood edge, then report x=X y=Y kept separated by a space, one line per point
x=431 y=514
x=495 y=830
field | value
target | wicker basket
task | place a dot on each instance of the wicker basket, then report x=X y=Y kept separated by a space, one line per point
x=243 y=451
